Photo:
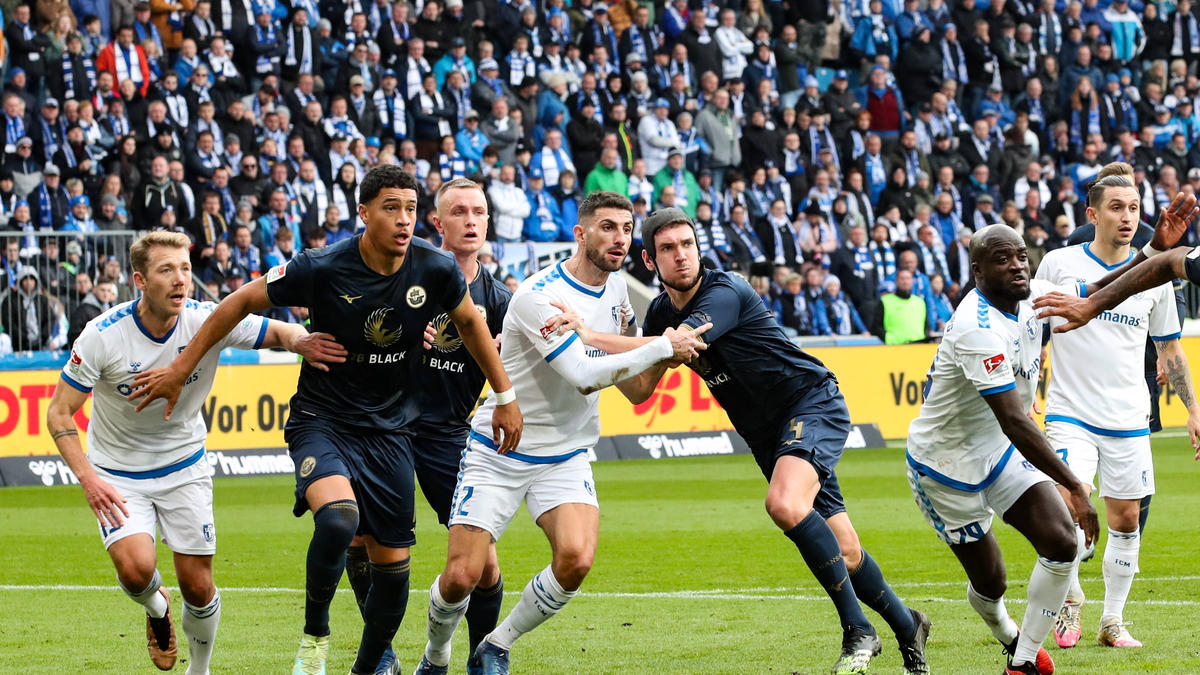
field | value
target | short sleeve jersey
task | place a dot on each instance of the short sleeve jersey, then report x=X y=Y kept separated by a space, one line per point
x=559 y=419
x=1108 y=395
x=984 y=351
x=450 y=379
x=753 y=370
x=379 y=319
x=110 y=353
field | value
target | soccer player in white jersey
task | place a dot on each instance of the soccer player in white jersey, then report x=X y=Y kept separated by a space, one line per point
x=142 y=474
x=1096 y=417
x=557 y=382
x=962 y=450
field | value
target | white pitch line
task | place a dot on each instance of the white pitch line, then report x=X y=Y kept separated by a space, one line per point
x=660 y=595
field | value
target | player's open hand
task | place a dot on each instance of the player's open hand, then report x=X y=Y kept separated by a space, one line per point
x=507 y=423
x=1077 y=311
x=568 y=321
x=687 y=344
x=430 y=336
x=1085 y=513
x=162 y=383
x=1193 y=427
x=1173 y=221
x=319 y=349
x=106 y=502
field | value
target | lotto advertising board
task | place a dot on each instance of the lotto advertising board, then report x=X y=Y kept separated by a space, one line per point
x=248 y=406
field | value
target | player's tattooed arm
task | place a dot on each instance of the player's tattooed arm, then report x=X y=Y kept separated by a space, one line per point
x=105 y=501
x=1175 y=366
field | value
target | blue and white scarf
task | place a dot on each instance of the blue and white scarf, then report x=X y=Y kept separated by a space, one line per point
x=451 y=166
x=954 y=63
x=885 y=262
x=69 y=75
x=45 y=211
x=392 y=112
x=14 y=130
x=520 y=66
x=750 y=239
x=607 y=38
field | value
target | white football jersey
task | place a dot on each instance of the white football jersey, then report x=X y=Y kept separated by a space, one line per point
x=956 y=439
x=559 y=420
x=1097 y=373
x=110 y=352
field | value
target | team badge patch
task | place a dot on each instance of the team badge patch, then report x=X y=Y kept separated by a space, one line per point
x=307 y=466
x=277 y=272
x=415 y=296
x=482 y=311
x=992 y=363
x=546 y=332
x=210 y=533
x=75 y=363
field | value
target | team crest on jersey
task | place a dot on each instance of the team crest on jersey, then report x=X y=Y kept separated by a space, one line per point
x=616 y=314
x=277 y=272
x=443 y=341
x=375 y=332
x=209 y=532
x=1033 y=327
x=415 y=296
x=307 y=466
x=992 y=363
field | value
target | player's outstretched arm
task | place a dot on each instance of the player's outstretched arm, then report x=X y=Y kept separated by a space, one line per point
x=106 y=502
x=1030 y=442
x=608 y=343
x=477 y=338
x=318 y=349
x=1173 y=362
x=1078 y=311
x=167 y=383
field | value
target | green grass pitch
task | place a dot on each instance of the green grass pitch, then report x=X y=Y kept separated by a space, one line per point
x=691 y=577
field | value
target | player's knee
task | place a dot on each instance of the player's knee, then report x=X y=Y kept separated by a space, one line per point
x=786 y=513
x=852 y=555
x=1123 y=515
x=460 y=578
x=490 y=575
x=572 y=566
x=337 y=522
x=133 y=572
x=197 y=591
x=1059 y=544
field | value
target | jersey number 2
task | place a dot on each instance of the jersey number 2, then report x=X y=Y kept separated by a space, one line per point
x=462 y=503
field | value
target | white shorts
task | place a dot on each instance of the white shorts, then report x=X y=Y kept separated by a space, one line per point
x=962 y=517
x=179 y=505
x=492 y=486
x=1126 y=464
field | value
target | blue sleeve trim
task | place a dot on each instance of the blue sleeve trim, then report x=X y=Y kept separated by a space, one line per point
x=998 y=390
x=1166 y=338
x=957 y=484
x=73 y=383
x=1100 y=431
x=1082 y=289
x=561 y=348
x=262 y=333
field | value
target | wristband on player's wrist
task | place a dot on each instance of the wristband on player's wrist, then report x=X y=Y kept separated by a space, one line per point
x=1150 y=251
x=505 y=397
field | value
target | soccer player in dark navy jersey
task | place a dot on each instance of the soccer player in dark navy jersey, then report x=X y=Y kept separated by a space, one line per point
x=451 y=382
x=350 y=432
x=787 y=406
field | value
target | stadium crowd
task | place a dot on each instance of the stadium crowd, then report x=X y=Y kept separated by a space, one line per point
x=839 y=152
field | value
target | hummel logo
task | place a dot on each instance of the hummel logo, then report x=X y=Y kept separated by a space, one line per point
x=350 y=298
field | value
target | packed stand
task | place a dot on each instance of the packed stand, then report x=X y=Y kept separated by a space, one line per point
x=838 y=152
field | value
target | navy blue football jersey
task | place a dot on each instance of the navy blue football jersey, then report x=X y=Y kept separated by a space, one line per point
x=379 y=319
x=451 y=380
x=753 y=370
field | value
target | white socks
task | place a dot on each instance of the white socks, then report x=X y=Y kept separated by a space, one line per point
x=149 y=597
x=200 y=627
x=542 y=598
x=1047 y=590
x=1120 y=565
x=440 y=622
x=994 y=614
x=1075 y=591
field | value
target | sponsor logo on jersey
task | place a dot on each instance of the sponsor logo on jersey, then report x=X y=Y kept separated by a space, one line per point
x=482 y=311
x=375 y=332
x=135 y=367
x=992 y=363
x=307 y=466
x=349 y=298
x=546 y=332
x=75 y=363
x=415 y=296
x=277 y=272
x=443 y=340
x=75 y=359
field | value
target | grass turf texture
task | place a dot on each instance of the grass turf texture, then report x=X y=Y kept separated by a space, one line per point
x=691 y=577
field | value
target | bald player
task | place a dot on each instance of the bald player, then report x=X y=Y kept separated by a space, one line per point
x=974 y=452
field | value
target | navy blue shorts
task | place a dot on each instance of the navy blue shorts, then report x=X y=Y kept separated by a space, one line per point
x=379 y=466
x=814 y=429
x=437 y=462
